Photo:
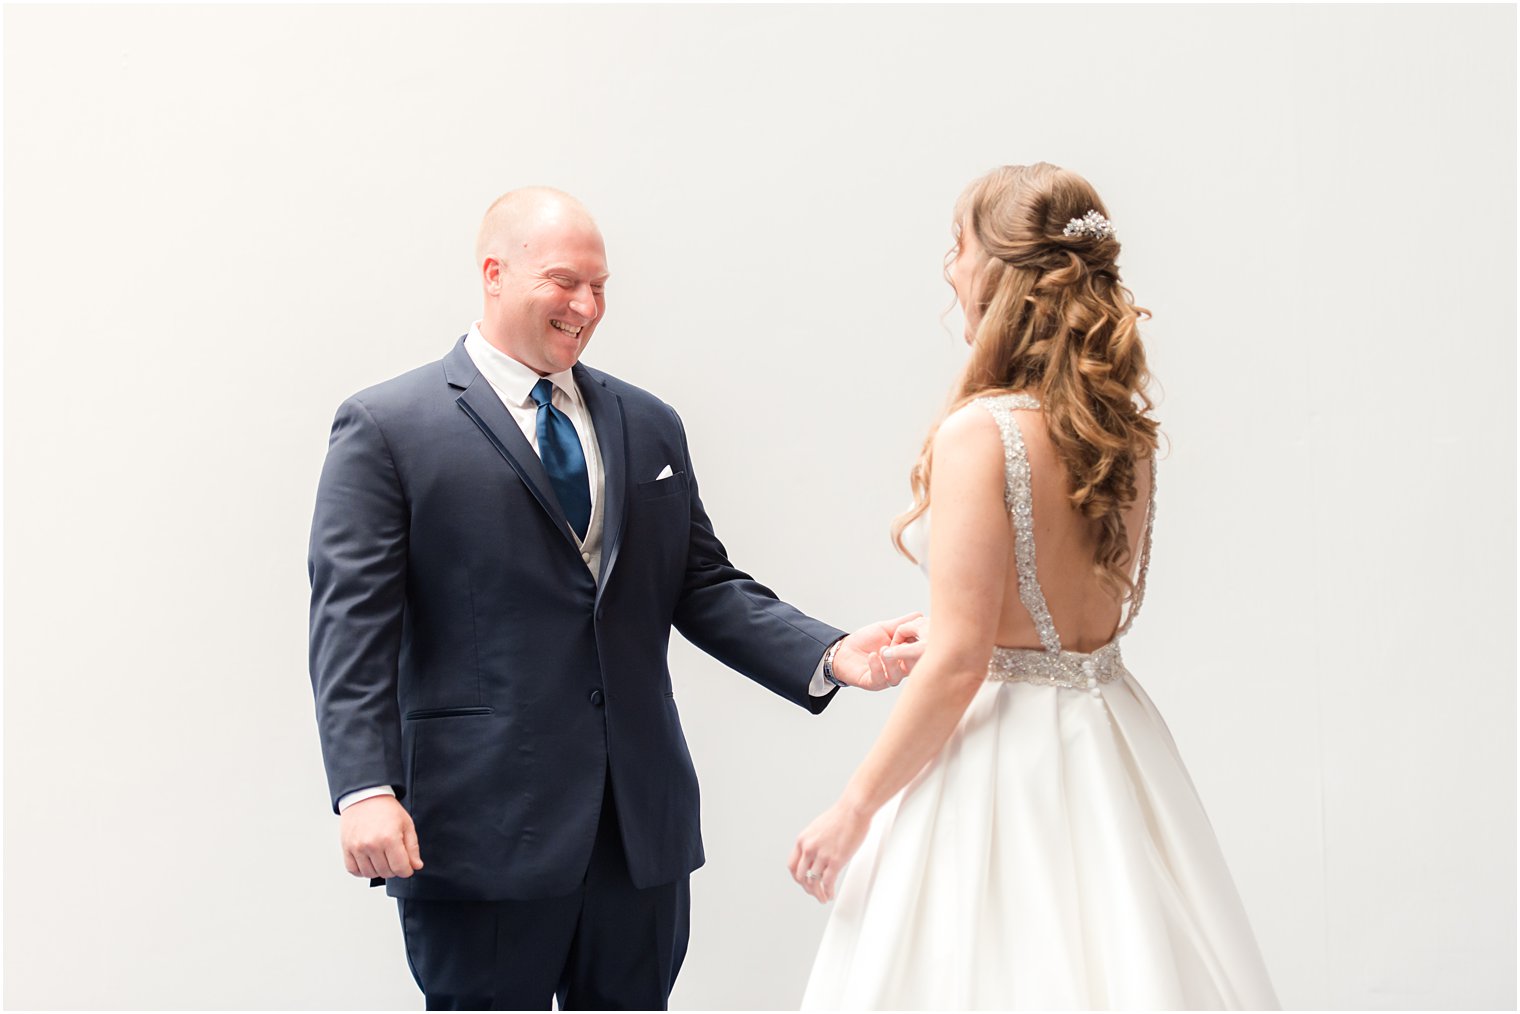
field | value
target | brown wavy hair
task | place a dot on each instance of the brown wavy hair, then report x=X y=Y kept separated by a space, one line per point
x=1052 y=318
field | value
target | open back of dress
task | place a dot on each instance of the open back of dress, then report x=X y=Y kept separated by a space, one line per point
x=1051 y=664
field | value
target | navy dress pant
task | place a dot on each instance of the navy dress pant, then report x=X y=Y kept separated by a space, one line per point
x=607 y=946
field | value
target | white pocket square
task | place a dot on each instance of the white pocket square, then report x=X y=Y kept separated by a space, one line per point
x=664 y=474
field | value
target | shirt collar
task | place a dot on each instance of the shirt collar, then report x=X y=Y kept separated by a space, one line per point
x=506 y=375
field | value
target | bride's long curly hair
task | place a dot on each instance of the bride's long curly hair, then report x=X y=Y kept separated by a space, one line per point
x=1052 y=318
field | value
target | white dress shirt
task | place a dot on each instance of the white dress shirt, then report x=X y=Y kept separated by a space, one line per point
x=513 y=383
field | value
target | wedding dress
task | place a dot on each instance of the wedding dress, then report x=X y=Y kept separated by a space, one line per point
x=1054 y=854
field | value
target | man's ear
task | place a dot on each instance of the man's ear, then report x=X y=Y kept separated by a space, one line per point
x=490 y=271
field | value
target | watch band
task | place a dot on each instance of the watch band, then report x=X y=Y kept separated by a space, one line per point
x=828 y=664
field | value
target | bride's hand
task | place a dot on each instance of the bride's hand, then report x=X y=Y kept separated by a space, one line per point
x=908 y=643
x=825 y=846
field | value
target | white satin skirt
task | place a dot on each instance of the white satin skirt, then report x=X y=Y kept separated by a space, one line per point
x=1053 y=855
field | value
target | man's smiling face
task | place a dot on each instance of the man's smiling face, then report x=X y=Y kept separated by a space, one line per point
x=548 y=286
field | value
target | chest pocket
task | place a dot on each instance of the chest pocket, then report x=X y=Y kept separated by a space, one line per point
x=654 y=489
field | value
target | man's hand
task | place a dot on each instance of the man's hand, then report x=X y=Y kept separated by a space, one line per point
x=858 y=662
x=379 y=839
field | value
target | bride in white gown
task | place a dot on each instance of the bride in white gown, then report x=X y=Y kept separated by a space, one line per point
x=1027 y=834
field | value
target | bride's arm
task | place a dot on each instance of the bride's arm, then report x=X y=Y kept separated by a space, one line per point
x=971 y=546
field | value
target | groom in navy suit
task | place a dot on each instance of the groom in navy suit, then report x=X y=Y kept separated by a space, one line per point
x=502 y=543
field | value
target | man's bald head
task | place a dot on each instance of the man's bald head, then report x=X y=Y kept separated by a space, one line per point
x=517 y=215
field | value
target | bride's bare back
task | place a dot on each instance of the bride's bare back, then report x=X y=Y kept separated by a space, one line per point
x=1085 y=613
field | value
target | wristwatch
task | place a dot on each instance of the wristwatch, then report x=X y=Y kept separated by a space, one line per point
x=828 y=664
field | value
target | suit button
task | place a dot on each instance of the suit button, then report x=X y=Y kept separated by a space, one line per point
x=596 y=698
x=586 y=557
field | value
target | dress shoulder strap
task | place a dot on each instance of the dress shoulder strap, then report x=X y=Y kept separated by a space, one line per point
x=1145 y=556
x=1019 y=496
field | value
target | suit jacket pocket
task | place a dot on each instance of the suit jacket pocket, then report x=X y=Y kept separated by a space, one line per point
x=422 y=713
x=668 y=486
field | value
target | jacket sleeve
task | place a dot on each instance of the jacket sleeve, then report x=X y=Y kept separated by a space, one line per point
x=357 y=566
x=742 y=623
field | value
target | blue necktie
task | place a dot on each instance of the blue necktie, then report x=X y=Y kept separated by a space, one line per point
x=560 y=450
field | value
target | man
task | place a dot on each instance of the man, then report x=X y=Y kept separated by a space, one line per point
x=502 y=543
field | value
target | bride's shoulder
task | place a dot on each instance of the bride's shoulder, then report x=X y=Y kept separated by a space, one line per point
x=968 y=458
x=997 y=424
x=970 y=433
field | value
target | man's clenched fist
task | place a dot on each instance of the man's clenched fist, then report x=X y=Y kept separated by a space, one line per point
x=379 y=839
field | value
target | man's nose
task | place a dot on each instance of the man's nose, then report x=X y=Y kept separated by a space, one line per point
x=584 y=303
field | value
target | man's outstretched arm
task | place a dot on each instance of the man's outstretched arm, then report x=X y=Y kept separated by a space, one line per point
x=742 y=623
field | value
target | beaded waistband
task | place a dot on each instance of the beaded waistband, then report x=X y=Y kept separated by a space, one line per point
x=1073 y=669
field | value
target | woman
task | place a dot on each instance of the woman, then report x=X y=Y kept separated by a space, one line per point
x=1036 y=840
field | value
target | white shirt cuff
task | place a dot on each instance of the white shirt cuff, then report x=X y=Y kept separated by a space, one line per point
x=349 y=799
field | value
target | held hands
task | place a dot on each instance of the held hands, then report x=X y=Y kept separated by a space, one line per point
x=825 y=846
x=908 y=642
x=881 y=655
x=379 y=839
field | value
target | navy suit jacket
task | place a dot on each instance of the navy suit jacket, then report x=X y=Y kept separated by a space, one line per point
x=462 y=652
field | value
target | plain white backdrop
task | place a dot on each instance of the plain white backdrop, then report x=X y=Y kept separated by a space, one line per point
x=220 y=221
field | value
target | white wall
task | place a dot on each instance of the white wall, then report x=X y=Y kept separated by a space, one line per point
x=219 y=221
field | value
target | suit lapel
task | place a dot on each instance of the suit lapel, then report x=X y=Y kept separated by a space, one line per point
x=606 y=411
x=481 y=404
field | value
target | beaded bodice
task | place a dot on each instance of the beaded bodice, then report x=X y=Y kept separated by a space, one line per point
x=1051 y=664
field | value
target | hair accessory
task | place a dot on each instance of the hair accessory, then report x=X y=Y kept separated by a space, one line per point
x=1091 y=224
